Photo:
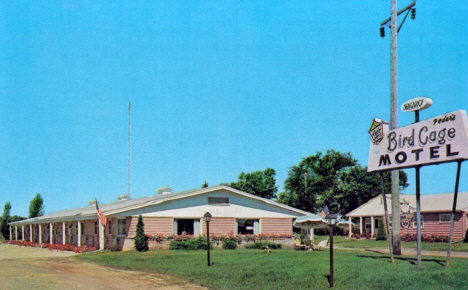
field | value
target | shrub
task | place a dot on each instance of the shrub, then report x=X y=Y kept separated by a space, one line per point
x=230 y=244
x=381 y=235
x=141 y=240
x=190 y=244
x=263 y=245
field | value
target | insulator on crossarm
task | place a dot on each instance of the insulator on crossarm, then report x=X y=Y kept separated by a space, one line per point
x=413 y=13
x=382 y=31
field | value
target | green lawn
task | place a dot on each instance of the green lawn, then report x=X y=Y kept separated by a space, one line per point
x=289 y=269
x=365 y=243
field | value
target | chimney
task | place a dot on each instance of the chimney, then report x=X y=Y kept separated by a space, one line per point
x=163 y=190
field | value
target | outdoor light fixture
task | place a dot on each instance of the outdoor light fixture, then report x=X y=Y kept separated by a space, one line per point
x=331 y=221
x=207 y=217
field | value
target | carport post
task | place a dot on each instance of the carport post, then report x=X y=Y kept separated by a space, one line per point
x=16 y=233
x=51 y=233
x=101 y=235
x=30 y=233
x=360 y=225
x=79 y=233
x=349 y=228
x=11 y=237
x=22 y=232
x=40 y=233
x=64 y=240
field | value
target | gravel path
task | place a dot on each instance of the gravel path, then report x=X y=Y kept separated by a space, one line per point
x=35 y=268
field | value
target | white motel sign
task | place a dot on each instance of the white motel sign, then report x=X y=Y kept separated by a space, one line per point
x=436 y=140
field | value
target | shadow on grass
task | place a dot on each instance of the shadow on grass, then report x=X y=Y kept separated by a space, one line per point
x=412 y=261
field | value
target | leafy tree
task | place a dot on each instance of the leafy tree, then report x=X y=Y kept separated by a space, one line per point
x=141 y=240
x=204 y=185
x=333 y=179
x=4 y=220
x=36 y=207
x=310 y=184
x=358 y=186
x=259 y=183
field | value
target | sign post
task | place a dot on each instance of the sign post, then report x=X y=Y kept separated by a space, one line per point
x=416 y=105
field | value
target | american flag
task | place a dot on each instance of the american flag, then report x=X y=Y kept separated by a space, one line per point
x=324 y=212
x=101 y=216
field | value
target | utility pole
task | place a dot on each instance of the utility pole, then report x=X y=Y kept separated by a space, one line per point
x=394 y=29
x=393 y=125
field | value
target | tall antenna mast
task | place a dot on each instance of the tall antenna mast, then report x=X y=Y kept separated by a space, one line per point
x=129 y=148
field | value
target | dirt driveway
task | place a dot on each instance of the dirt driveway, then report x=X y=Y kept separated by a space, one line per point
x=34 y=268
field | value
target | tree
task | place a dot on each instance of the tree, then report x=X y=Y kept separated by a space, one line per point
x=141 y=240
x=4 y=220
x=36 y=207
x=358 y=186
x=204 y=185
x=334 y=179
x=310 y=184
x=259 y=183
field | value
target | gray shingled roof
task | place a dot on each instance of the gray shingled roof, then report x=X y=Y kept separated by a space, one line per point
x=429 y=203
x=89 y=212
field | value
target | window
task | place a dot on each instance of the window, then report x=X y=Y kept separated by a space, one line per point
x=218 y=200
x=367 y=223
x=121 y=227
x=96 y=228
x=445 y=218
x=248 y=227
x=186 y=227
x=415 y=221
x=109 y=227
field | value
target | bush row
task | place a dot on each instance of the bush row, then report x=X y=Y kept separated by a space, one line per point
x=59 y=247
x=190 y=244
x=425 y=238
x=238 y=238
x=229 y=244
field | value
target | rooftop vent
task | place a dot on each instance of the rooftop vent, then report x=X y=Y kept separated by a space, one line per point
x=123 y=197
x=92 y=202
x=163 y=190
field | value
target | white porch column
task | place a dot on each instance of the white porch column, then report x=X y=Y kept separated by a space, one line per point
x=16 y=233
x=349 y=228
x=22 y=232
x=11 y=237
x=30 y=233
x=79 y=233
x=51 y=233
x=101 y=235
x=64 y=240
x=40 y=233
x=360 y=225
x=372 y=226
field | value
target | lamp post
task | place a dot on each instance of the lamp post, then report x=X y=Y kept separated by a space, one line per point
x=207 y=218
x=331 y=221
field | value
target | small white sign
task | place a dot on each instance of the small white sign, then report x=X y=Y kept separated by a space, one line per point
x=416 y=104
x=436 y=140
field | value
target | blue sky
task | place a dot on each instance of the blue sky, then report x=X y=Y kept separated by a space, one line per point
x=217 y=87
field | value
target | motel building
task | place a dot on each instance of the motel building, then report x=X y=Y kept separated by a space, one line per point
x=436 y=211
x=166 y=213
